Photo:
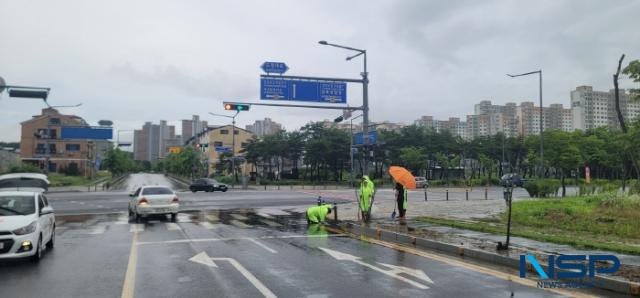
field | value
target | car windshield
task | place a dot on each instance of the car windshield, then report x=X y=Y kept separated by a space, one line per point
x=156 y=191
x=23 y=182
x=17 y=205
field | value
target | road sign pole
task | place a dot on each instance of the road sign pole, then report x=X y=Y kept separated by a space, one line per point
x=365 y=117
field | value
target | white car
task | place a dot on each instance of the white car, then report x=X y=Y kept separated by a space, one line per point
x=152 y=200
x=27 y=222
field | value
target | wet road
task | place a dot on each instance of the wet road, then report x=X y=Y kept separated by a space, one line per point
x=234 y=244
x=117 y=200
x=235 y=253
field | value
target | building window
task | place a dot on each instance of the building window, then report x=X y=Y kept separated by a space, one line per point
x=72 y=147
x=217 y=144
x=40 y=149
x=224 y=132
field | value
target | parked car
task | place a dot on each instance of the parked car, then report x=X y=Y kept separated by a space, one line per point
x=153 y=200
x=27 y=222
x=208 y=185
x=511 y=180
x=421 y=182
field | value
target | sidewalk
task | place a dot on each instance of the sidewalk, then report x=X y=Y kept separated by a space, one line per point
x=626 y=280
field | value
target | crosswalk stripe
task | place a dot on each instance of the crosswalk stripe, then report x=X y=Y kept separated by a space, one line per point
x=207 y=225
x=213 y=217
x=136 y=228
x=172 y=226
x=239 y=216
x=183 y=218
x=239 y=224
x=98 y=230
x=270 y=223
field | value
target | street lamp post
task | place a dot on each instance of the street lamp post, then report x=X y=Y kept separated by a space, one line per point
x=365 y=94
x=539 y=72
x=351 y=147
x=233 y=140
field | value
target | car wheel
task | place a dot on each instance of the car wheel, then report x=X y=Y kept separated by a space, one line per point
x=211 y=189
x=38 y=255
x=224 y=190
x=52 y=241
x=173 y=217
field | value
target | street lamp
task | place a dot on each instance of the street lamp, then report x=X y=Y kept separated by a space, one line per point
x=233 y=140
x=365 y=93
x=539 y=72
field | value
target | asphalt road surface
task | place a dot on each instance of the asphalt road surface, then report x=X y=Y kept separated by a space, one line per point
x=263 y=251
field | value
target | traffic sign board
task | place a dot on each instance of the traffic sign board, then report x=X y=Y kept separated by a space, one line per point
x=274 y=67
x=223 y=149
x=373 y=138
x=303 y=90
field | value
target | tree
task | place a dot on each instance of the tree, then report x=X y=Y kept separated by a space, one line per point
x=118 y=162
x=412 y=158
x=633 y=71
x=562 y=152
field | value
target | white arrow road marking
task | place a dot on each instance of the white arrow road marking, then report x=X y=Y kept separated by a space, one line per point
x=395 y=270
x=203 y=258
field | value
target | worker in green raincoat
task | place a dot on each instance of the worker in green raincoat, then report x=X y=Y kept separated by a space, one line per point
x=367 y=190
x=318 y=214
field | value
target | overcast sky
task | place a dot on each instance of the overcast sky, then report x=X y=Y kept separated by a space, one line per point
x=137 y=61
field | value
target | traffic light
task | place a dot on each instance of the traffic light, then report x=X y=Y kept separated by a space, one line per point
x=236 y=107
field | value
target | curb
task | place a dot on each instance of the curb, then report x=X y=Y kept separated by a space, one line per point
x=601 y=282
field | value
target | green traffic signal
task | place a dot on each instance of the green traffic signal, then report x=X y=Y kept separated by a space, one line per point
x=236 y=107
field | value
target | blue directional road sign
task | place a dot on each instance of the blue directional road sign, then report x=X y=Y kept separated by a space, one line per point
x=299 y=90
x=223 y=149
x=373 y=138
x=274 y=67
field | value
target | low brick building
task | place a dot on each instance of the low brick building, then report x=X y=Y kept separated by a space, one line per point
x=73 y=145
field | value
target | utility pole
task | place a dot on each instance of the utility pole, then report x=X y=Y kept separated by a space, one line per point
x=233 y=137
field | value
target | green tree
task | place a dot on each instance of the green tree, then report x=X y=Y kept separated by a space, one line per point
x=413 y=159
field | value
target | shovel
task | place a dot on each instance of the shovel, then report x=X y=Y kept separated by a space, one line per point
x=393 y=214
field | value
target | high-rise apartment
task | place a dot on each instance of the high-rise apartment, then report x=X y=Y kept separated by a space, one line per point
x=591 y=109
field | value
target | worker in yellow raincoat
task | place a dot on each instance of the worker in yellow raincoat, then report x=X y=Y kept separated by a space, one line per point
x=367 y=191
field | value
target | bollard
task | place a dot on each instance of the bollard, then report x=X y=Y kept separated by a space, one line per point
x=447 y=194
x=278 y=186
x=425 y=194
x=466 y=194
x=319 y=201
x=335 y=213
x=485 y=193
x=265 y=187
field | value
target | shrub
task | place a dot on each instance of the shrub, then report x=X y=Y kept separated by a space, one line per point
x=620 y=200
x=542 y=187
x=25 y=168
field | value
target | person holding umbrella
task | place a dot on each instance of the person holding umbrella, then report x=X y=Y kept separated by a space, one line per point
x=401 y=198
x=404 y=180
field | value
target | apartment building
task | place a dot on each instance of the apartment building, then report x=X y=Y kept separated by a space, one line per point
x=591 y=109
x=264 y=127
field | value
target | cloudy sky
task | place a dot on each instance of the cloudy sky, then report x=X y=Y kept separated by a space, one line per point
x=137 y=61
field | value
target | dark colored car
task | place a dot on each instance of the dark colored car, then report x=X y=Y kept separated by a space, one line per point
x=511 y=180
x=208 y=185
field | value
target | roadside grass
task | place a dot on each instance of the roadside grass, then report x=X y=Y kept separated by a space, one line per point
x=64 y=180
x=609 y=221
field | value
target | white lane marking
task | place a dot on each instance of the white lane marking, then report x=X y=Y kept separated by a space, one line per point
x=395 y=270
x=172 y=226
x=136 y=228
x=239 y=224
x=203 y=258
x=270 y=223
x=213 y=217
x=207 y=225
x=262 y=245
x=238 y=238
x=265 y=215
